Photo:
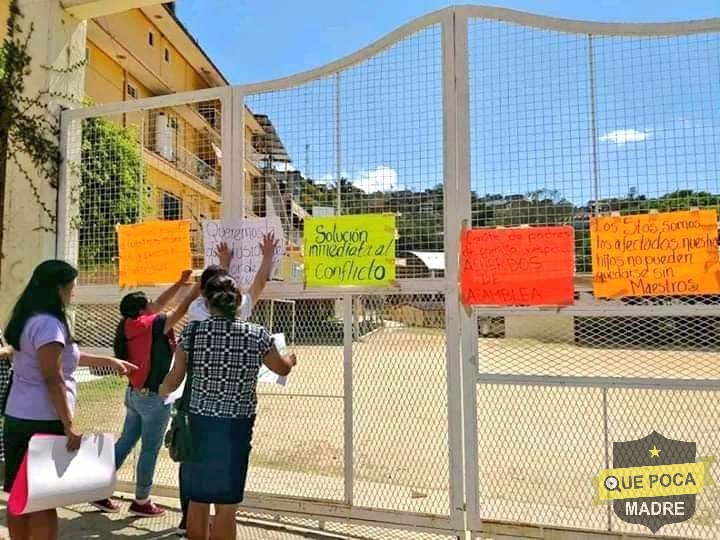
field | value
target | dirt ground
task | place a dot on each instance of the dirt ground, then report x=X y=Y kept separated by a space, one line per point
x=538 y=446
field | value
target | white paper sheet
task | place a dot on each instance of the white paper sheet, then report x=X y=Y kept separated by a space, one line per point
x=177 y=394
x=265 y=375
x=58 y=478
x=244 y=236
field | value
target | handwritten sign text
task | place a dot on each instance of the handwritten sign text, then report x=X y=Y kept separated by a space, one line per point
x=244 y=237
x=661 y=254
x=350 y=250
x=153 y=252
x=526 y=266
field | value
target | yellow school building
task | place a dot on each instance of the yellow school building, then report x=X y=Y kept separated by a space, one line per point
x=145 y=52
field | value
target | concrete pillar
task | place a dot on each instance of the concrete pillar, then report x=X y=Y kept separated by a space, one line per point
x=58 y=40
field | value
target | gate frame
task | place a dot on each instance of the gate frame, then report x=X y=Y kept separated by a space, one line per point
x=232 y=99
x=472 y=379
x=462 y=370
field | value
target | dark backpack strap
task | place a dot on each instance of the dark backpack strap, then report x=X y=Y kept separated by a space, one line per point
x=184 y=401
x=158 y=326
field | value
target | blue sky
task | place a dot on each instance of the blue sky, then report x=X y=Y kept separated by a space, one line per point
x=657 y=113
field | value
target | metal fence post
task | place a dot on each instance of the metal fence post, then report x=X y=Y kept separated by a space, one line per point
x=348 y=397
x=606 y=441
x=593 y=126
x=457 y=212
x=233 y=140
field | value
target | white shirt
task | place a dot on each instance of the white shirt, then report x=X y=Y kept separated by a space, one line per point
x=198 y=310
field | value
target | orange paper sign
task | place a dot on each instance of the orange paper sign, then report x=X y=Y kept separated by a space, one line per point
x=663 y=254
x=529 y=266
x=153 y=252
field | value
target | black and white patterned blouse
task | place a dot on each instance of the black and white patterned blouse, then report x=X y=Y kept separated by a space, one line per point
x=226 y=357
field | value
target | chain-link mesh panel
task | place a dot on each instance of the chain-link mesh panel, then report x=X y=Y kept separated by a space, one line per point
x=365 y=140
x=298 y=438
x=529 y=125
x=566 y=126
x=298 y=445
x=400 y=440
x=540 y=447
x=160 y=163
x=679 y=414
x=588 y=345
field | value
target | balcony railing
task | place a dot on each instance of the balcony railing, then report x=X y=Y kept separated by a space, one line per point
x=192 y=165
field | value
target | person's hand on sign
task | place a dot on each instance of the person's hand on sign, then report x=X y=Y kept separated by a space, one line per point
x=74 y=438
x=224 y=255
x=268 y=245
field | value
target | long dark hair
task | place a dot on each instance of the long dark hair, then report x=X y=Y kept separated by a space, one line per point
x=210 y=272
x=41 y=295
x=222 y=295
x=131 y=307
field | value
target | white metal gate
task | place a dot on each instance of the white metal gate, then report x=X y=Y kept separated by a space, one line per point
x=408 y=410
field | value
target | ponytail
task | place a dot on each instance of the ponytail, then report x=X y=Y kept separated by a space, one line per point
x=120 y=343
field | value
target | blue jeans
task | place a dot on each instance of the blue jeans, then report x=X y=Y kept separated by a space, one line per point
x=146 y=420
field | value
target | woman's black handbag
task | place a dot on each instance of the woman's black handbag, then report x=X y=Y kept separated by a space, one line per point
x=178 y=439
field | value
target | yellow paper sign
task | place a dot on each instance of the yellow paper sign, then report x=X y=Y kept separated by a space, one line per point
x=356 y=250
x=153 y=252
x=662 y=254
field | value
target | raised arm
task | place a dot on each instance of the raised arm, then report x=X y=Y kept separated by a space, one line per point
x=175 y=376
x=282 y=365
x=267 y=246
x=163 y=300
x=179 y=312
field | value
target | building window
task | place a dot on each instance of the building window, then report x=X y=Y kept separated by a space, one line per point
x=171 y=206
x=167 y=55
x=131 y=91
x=151 y=39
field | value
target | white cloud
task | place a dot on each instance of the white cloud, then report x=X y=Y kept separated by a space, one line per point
x=381 y=178
x=330 y=178
x=623 y=136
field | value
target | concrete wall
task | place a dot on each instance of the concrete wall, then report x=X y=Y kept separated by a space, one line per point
x=4 y=12
x=131 y=29
x=555 y=328
x=58 y=40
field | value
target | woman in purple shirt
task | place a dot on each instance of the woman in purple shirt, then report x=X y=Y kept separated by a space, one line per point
x=42 y=394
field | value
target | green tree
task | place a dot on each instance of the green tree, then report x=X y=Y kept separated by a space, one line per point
x=111 y=191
